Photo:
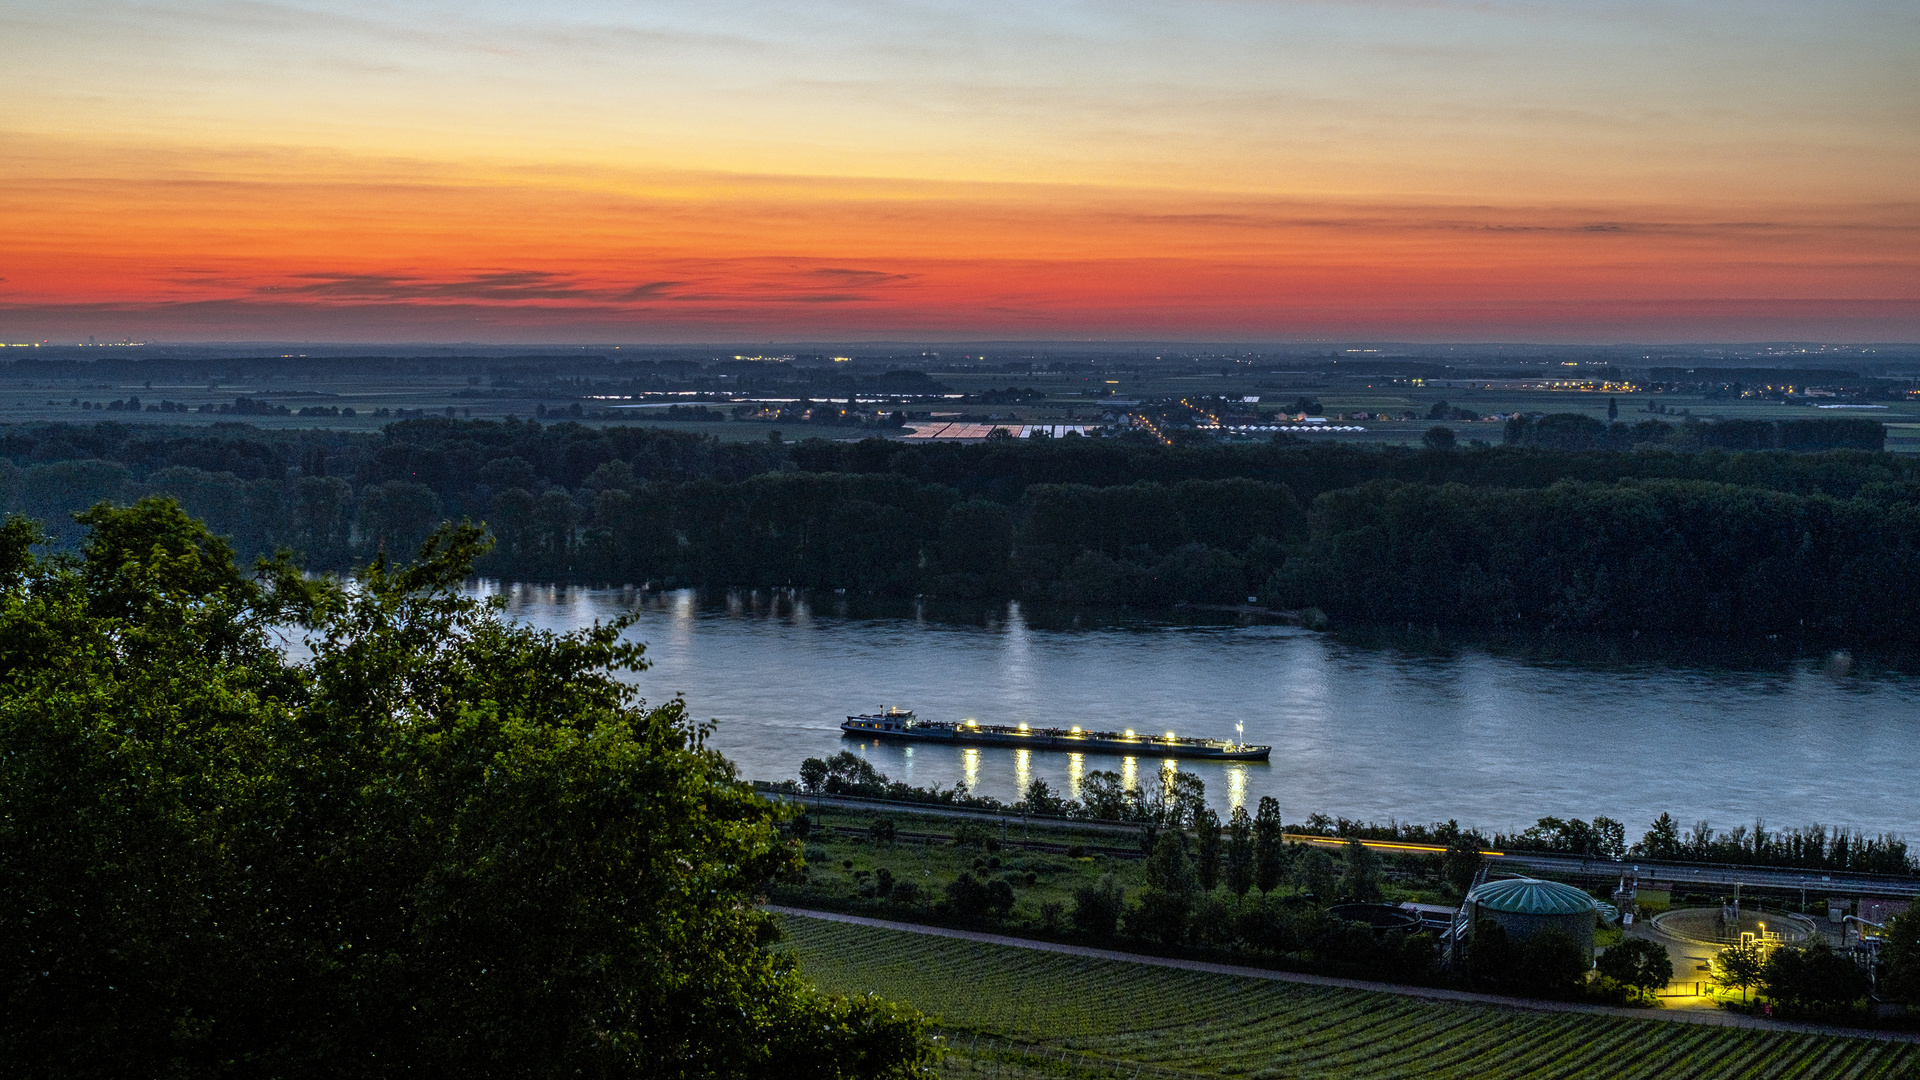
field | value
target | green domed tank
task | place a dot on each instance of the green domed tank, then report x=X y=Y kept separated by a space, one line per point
x=1525 y=906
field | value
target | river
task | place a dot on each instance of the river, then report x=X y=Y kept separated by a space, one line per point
x=1418 y=729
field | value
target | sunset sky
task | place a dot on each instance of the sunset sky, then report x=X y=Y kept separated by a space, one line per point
x=1250 y=170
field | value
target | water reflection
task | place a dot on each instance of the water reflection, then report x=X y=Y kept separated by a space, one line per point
x=1022 y=770
x=1129 y=773
x=1493 y=733
x=1236 y=786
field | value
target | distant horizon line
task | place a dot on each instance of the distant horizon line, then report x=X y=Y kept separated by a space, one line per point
x=1079 y=344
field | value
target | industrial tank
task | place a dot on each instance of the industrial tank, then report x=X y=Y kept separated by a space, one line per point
x=1525 y=906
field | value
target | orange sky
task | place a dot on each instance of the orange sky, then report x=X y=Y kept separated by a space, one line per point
x=1233 y=169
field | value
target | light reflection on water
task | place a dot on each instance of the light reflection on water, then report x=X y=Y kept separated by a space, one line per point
x=1236 y=787
x=1360 y=730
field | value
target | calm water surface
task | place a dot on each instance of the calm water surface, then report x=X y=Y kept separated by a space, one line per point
x=1362 y=730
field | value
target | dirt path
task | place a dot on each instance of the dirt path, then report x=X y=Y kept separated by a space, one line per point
x=1714 y=1018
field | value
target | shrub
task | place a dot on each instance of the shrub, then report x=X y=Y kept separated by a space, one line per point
x=1096 y=907
x=1549 y=963
x=1050 y=915
x=970 y=834
x=971 y=898
x=1813 y=978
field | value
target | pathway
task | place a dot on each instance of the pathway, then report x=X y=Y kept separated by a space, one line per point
x=1687 y=1016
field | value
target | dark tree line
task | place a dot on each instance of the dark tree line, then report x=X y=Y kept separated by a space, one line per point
x=1712 y=542
x=1573 y=431
x=1687 y=557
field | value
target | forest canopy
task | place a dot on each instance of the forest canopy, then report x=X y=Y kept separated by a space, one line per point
x=441 y=845
x=1556 y=531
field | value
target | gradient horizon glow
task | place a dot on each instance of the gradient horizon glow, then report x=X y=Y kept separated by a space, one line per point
x=585 y=170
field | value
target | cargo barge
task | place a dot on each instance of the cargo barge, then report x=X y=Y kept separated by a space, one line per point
x=902 y=724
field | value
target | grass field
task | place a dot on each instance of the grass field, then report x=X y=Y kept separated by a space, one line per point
x=1037 y=877
x=1016 y=1013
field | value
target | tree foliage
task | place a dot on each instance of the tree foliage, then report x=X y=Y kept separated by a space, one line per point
x=1738 y=966
x=1548 y=963
x=1360 y=876
x=1813 y=977
x=440 y=844
x=1638 y=963
x=1693 y=532
x=1206 y=849
x=1901 y=955
x=1269 y=845
x=1238 y=856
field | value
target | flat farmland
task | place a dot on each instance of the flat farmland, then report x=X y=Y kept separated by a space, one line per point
x=1016 y=1013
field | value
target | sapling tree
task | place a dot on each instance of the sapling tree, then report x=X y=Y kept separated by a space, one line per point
x=1268 y=845
x=1206 y=849
x=1239 y=858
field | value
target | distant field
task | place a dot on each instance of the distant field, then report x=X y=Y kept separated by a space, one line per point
x=1018 y=1013
x=26 y=401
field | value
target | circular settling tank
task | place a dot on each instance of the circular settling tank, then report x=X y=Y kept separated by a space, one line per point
x=1382 y=917
x=1709 y=926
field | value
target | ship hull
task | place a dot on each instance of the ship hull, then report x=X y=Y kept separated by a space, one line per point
x=1065 y=742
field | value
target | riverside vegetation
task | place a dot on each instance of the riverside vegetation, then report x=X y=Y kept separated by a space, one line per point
x=1247 y=890
x=1179 y=797
x=1190 y=886
x=1549 y=533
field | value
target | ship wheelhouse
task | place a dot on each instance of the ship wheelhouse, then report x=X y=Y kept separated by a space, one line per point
x=889 y=720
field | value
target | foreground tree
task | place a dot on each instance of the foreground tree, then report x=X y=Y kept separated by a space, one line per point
x=441 y=845
x=1360 y=879
x=1901 y=954
x=1206 y=849
x=1738 y=967
x=1269 y=845
x=1167 y=901
x=1239 y=857
x=1637 y=963
x=1813 y=977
